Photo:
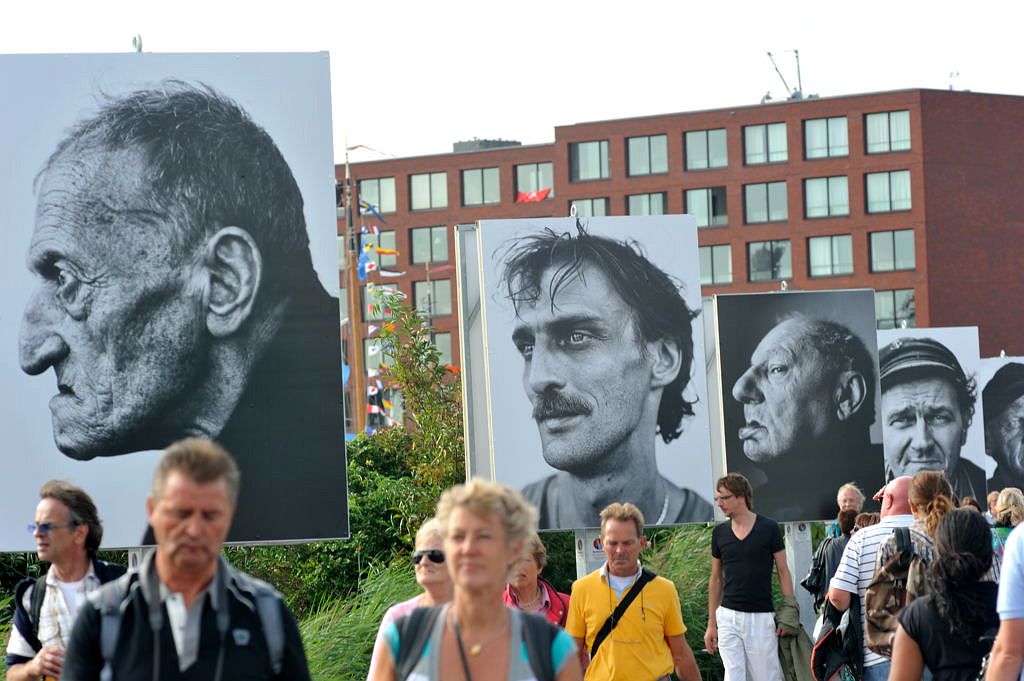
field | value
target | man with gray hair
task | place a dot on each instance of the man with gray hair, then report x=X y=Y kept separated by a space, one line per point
x=67 y=533
x=176 y=296
x=187 y=613
x=808 y=404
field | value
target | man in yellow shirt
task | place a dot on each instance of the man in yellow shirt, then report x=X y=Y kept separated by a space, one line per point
x=645 y=642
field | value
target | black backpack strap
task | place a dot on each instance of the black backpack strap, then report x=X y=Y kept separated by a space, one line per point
x=539 y=635
x=904 y=545
x=36 y=604
x=610 y=623
x=413 y=633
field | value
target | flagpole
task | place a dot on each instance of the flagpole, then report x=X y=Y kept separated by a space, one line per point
x=357 y=364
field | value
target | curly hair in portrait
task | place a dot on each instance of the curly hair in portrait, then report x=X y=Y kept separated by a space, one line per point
x=659 y=310
x=963 y=555
x=932 y=496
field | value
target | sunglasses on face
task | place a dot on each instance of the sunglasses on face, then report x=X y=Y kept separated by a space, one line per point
x=435 y=556
x=44 y=528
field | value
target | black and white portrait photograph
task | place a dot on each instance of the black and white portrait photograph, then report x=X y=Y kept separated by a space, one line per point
x=594 y=366
x=171 y=270
x=932 y=416
x=1001 y=392
x=800 y=397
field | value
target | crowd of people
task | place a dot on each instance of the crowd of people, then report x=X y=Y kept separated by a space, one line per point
x=954 y=613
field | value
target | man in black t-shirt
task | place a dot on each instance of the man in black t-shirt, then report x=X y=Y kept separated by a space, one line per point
x=741 y=615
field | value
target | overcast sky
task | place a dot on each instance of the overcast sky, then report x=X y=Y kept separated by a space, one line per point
x=410 y=78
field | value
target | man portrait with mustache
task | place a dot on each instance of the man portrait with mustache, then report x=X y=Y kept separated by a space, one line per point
x=607 y=345
x=808 y=398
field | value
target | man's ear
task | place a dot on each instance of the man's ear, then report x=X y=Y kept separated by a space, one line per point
x=150 y=505
x=851 y=392
x=667 y=359
x=235 y=268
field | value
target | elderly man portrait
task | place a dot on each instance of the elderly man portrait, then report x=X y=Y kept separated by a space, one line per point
x=67 y=533
x=606 y=340
x=176 y=296
x=1003 y=404
x=927 y=407
x=808 y=399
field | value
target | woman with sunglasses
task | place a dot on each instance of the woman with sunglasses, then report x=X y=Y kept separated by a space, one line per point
x=431 y=574
x=477 y=637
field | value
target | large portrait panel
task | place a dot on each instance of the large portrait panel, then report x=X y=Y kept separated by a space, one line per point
x=1001 y=393
x=800 y=397
x=584 y=365
x=932 y=416
x=171 y=269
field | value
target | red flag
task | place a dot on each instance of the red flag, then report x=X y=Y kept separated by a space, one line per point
x=534 y=196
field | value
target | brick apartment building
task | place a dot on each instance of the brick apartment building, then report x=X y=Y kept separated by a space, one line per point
x=917 y=194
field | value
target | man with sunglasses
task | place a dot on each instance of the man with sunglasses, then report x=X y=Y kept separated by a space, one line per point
x=67 y=532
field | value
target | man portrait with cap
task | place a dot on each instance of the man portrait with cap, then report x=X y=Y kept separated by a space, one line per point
x=1003 y=404
x=927 y=407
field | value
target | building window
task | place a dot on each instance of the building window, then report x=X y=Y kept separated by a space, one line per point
x=532 y=177
x=589 y=208
x=887 y=131
x=826 y=197
x=893 y=308
x=443 y=343
x=715 y=264
x=369 y=243
x=770 y=260
x=645 y=204
x=379 y=193
x=828 y=256
x=480 y=186
x=765 y=202
x=706 y=149
x=647 y=155
x=825 y=137
x=708 y=206
x=433 y=298
x=428 y=190
x=891 y=251
x=765 y=144
x=887 y=192
x=374 y=307
x=588 y=161
x=429 y=244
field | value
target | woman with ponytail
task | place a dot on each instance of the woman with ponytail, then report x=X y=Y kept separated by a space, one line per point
x=931 y=498
x=950 y=630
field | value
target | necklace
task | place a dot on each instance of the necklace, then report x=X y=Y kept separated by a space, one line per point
x=664 y=511
x=475 y=648
x=531 y=604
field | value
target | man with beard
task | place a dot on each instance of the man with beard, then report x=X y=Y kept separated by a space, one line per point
x=607 y=346
x=808 y=404
x=1003 y=403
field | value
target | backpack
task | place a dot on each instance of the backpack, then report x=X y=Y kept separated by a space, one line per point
x=414 y=632
x=838 y=653
x=112 y=598
x=895 y=584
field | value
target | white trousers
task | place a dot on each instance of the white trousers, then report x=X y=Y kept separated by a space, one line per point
x=749 y=647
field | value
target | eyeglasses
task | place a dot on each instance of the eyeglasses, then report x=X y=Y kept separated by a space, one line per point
x=725 y=497
x=44 y=528
x=435 y=556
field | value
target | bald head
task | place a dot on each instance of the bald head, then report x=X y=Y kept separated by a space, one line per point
x=896 y=496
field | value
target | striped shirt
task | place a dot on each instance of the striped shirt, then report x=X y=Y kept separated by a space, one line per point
x=857 y=567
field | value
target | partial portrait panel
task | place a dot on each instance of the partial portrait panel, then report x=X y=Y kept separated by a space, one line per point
x=800 y=397
x=932 y=415
x=176 y=216
x=1001 y=393
x=594 y=372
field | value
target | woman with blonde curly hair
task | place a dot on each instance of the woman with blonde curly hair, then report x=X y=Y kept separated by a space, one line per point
x=1009 y=513
x=476 y=637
